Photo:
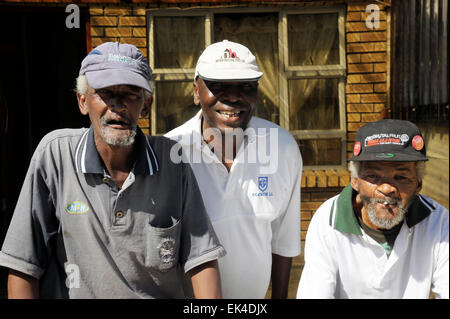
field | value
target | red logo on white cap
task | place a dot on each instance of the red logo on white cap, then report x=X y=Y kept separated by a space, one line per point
x=357 y=149
x=228 y=53
x=417 y=142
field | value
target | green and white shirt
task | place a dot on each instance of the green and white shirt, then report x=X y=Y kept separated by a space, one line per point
x=342 y=261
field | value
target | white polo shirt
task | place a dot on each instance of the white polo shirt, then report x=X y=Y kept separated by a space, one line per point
x=254 y=208
x=342 y=261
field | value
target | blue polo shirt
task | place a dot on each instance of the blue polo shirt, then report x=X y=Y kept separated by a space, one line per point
x=84 y=237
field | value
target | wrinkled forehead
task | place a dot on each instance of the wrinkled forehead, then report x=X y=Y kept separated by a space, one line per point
x=388 y=166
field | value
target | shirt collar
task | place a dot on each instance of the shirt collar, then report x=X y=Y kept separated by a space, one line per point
x=345 y=219
x=88 y=161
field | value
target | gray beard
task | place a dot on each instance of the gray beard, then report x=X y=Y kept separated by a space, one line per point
x=383 y=223
x=114 y=140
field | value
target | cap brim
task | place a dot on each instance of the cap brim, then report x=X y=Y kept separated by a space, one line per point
x=229 y=74
x=104 y=78
x=388 y=157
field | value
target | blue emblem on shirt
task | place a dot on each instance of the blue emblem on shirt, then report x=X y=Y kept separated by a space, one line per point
x=263 y=182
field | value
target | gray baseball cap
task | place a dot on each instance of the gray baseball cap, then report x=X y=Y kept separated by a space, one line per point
x=114 y=63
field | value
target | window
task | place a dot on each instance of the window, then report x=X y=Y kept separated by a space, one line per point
x=302 y=56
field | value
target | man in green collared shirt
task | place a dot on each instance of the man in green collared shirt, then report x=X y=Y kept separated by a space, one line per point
x=379 y=238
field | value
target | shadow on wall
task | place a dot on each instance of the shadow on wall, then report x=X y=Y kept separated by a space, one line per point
x=436 y=181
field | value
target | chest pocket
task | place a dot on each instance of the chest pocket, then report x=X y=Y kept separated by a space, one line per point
x=163 y=245
x=266 y=195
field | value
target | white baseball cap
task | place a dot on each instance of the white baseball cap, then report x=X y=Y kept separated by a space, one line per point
x=227 y=61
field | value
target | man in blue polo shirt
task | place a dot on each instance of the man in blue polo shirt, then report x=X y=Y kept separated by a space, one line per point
x=104 y=212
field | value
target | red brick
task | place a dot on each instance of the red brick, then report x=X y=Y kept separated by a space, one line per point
x=359 y=88
x=139 y=42
x=360 y=108
x=353 y=98
x=378 y=107
x=379 y=67
x=371 y=117
x=360 y=47
x=354 y=16
x=118 y=32
x=354 y=58
x=132 y=21
x=373 y=36
x=353 y=37
x=360 y=68
x=380 y=87
x=139 y=32
x=373 y=78
x=354 y=78
x=353 y=117
x=373 y=98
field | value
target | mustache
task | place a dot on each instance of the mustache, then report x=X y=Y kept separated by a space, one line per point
x=384 y=201
x=105 y=119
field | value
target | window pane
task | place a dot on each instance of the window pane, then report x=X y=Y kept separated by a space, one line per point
x=313 y=39
x=175 y=104
x=179 y=41
x=321 y=152
x=258 y=32
x=313 y=104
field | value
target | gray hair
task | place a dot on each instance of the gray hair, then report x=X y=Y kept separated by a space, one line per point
x=355 y=166
x=82 y=86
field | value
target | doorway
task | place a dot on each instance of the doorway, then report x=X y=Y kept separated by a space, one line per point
x=39 y=61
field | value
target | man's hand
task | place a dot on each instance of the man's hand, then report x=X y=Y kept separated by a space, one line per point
x=281 y=270
x=21 y=286
x=206 y=281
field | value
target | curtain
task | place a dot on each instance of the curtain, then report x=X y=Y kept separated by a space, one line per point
x=313 y=40
x=178 y=42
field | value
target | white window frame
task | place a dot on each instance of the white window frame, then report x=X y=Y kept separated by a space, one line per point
x=285 y=73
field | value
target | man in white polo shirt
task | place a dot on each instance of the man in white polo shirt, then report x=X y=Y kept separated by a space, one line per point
x=249 y=173
x=379 y=238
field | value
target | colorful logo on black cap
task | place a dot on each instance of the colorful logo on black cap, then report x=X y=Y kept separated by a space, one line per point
x=382 y=139
x=417 y=142
x=357 y=149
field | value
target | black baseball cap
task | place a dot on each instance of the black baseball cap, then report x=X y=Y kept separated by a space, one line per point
x=389 y=140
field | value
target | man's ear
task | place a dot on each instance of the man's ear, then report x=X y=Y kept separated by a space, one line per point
x=82 y=103
x=419 y=187
x=147 y=106
x=354 y=183
x=196 y=94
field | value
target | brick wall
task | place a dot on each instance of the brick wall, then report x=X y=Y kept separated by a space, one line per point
x=367 y=69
